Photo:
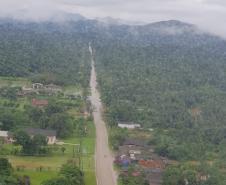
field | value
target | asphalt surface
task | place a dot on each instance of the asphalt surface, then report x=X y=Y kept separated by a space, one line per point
x=105 y=173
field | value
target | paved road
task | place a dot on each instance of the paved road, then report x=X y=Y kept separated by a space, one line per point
x=104 y=159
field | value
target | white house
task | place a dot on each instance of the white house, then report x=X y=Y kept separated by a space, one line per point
x=6 y=137
x=129 y=125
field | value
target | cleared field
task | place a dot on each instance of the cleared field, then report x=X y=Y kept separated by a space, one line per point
x=14 y=82
x=76 y=90
x=50 y=165
x=38 y=177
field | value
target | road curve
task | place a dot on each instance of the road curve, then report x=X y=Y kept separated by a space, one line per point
x=105 y=173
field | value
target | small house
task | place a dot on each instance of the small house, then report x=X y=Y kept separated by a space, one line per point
x=128 y=125
x=49 y=134
x=39 y=103
x=5 y=137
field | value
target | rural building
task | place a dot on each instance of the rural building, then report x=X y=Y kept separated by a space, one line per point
x=49 y=134
x=6 y=137
x=138 y=152
x=39 y=103
x=128 y=125
x=152 y=164
x=37 y=86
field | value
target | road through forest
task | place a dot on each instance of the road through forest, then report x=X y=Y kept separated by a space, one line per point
x=105 y=173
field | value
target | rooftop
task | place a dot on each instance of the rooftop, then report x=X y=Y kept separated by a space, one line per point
x=36 y=102
x=3 y=133
x=44 y=132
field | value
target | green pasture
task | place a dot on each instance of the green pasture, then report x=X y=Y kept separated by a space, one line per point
x=50 y=165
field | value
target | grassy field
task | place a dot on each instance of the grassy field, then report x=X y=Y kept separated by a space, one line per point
x=38 y=177
x=72 y=90
x=51 y=164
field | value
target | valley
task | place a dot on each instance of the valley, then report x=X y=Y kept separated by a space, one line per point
x=144 y=104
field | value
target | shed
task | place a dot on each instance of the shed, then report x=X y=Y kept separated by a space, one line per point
x=128 y=125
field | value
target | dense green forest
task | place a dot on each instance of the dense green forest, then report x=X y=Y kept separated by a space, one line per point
x=176 y=87
x=170 y=77
x=45 y=52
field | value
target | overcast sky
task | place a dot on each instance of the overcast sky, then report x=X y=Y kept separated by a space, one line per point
x=208 y=14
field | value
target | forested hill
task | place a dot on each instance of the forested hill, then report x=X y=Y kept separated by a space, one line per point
x=169 y=76
x=158 y=73
x=49 y=51
x=166 y=75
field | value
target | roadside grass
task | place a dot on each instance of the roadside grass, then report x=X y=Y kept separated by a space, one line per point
x=34 y=162
x=38 y=177
x=90 y=178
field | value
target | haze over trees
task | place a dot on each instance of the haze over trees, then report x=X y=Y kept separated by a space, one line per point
x=168 y=81
x=168 y=76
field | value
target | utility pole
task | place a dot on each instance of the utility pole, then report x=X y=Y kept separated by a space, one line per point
x=80 y=151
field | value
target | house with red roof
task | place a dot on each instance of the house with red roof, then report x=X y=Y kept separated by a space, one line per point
x=39 y=103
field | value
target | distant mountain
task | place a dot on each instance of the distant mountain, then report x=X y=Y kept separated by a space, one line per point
x=170 y=32
x=113 y=21
x=171 y=27
x=68 y=17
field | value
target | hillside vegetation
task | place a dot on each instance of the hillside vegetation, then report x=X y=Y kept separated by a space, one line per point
x=45 y=52
x=172 y=82
x=170 y=77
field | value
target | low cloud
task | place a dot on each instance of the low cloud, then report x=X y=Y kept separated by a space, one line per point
x=210 y=15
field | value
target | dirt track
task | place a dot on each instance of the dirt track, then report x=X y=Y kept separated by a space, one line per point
x=104 y=159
